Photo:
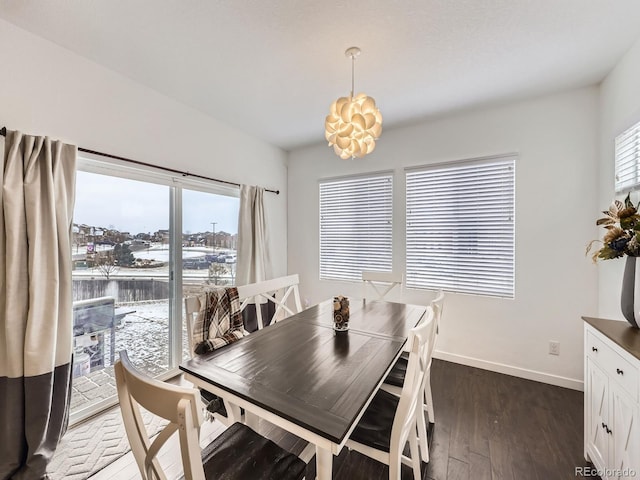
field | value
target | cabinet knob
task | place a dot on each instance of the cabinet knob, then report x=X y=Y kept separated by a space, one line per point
x=594 y=349
x=620 y=372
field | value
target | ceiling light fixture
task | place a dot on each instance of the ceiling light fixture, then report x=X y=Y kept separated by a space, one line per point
x=354 y=123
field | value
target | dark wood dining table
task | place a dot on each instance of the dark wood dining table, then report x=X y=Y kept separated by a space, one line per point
x=304 y=377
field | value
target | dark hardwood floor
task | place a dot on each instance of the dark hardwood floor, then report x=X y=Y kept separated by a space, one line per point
x=488 y=426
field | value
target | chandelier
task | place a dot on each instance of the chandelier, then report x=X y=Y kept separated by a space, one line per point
x=354 y=123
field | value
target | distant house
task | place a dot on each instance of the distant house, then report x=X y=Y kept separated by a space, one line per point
x=161 y=236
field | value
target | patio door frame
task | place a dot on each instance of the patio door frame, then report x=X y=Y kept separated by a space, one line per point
x=95 y=164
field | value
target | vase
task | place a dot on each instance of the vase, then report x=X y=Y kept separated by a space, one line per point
x=340 y=314
x=630 y=296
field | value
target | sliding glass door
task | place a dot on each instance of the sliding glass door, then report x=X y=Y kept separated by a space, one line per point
x=138 y=237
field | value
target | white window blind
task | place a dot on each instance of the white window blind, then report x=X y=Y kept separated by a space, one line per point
x=460 y=227
x=628 y=159
x=355 y=226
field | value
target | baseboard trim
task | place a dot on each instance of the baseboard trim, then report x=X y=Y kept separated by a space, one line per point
x=549 y=378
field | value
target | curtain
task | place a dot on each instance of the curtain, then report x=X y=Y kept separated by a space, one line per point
x=254 y=260
x=37 y=197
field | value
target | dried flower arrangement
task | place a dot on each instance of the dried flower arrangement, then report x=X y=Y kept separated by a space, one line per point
x=622 y=223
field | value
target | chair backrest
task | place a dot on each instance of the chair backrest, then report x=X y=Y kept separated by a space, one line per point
x=179 y=405
x=382 y=283
x=277 y=291
x=191 y=308
x=412 y=388
x=437 y=304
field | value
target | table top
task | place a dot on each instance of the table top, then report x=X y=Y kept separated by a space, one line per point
x=301 y=370
x=373 y=317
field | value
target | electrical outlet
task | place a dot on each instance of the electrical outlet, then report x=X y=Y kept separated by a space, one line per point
x=554 y=347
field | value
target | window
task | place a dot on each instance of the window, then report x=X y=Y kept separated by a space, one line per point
x=628 y=159
x=460 y=227
x=355 y=226
x=130 y=265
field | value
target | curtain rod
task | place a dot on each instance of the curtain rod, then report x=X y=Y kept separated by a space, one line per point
x=3 y=132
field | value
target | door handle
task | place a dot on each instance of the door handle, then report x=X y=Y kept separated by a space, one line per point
x=620 y=372
x=594 y=349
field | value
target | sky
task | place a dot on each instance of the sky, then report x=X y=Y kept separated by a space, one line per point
x=139 y=207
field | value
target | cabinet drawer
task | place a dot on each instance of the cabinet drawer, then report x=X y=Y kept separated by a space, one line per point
x=613 y=364
x=596 y=348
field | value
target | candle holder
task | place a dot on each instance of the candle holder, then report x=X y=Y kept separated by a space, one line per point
x=340 y=314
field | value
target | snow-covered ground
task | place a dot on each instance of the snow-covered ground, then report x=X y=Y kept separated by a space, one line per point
x=144 y=334
x=160 y=254
x=124 y=272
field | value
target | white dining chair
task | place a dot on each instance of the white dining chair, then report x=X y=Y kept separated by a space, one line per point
x=391 y=421
x=395 y=380
x=225 y=457
x=377 y=285
x=282 y=292
x=438 y=306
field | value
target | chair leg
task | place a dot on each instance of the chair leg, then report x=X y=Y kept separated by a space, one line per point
x=428 y=400
x=423 y=438
x=415 y=454
x=395 y=463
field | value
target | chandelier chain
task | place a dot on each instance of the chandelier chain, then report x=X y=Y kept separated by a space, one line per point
x=353 y=63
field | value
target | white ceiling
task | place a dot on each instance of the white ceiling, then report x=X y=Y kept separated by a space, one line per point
x=272 y=68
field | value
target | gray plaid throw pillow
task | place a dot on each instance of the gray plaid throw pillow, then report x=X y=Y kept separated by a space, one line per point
x=219 y=321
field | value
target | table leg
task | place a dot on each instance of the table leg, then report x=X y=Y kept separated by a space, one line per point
x=324 y=464
x=251 y=420
x=233 y=411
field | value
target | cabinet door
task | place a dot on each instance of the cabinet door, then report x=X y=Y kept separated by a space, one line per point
x=625 y=432
x=597 y=415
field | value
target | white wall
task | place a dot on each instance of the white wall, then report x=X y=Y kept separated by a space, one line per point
x=556 y=139
x=47 y=90
x=619 y=110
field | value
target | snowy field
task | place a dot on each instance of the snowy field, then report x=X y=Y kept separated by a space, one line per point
x=144 y=334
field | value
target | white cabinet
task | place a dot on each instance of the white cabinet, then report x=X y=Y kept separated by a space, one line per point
x=597 y=413
x=612 y=410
